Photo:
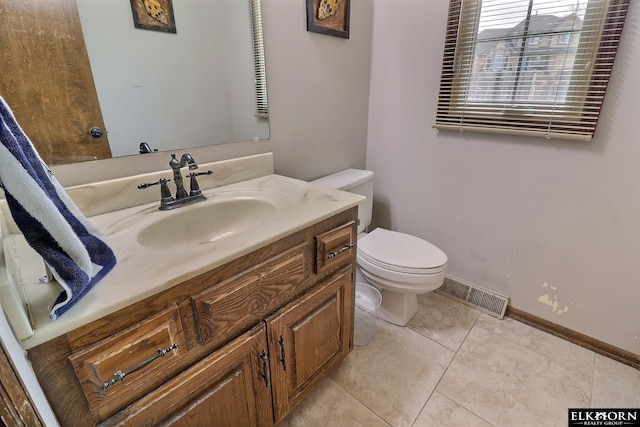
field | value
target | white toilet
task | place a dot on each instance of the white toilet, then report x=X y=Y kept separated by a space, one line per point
x=400 y=265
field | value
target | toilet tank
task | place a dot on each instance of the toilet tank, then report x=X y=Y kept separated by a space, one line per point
x=356 y=181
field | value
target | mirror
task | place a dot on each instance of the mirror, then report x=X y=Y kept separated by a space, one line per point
x=199 y=86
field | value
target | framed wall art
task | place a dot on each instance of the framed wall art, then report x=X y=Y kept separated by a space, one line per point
x=153 y=15
x=330 y=17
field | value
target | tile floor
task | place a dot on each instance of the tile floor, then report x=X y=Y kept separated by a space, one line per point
x=455 y=366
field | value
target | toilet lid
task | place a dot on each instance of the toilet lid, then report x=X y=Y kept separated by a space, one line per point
x=401 y=252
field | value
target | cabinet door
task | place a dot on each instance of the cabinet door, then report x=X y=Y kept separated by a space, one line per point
x=309 y=338
x=229 y=388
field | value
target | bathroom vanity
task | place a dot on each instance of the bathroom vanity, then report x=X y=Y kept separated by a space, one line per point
x=232 y=331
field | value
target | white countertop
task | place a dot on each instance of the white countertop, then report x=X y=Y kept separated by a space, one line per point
x=142 y=272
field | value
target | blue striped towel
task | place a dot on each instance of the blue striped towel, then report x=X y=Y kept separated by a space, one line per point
x=52 y=224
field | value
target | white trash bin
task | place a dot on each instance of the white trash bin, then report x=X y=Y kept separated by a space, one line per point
x=368 y=299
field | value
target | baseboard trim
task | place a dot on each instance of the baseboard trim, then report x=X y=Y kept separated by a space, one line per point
x=582 y=340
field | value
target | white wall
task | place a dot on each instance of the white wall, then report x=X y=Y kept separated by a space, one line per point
x=541 y=221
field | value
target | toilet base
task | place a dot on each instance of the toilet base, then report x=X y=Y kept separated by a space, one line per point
x=397 y=308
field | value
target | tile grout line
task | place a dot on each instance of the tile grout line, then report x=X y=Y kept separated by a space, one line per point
x=441 y=376
x=435 y=389
x=359 y=401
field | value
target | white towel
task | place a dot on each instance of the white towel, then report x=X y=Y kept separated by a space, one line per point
x=52 y=224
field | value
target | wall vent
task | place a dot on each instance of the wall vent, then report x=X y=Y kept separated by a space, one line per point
x=484 y=300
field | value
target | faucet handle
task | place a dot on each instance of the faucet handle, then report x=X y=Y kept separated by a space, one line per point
x=165 y=193
x=194 y=188
x=151 y=184
x=194 y=174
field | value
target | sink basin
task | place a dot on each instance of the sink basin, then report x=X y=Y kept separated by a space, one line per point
x=215 y=219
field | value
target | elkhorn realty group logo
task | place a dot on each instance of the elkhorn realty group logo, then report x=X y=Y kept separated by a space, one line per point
x=604 y=417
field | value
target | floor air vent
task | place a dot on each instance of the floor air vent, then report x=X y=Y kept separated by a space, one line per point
x=482 y=299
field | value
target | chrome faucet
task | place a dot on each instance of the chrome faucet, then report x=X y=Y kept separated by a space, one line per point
x=145 y=148
x=182 y=198
x=176 y=165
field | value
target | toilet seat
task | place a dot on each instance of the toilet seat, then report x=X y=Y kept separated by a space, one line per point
x=400 y=253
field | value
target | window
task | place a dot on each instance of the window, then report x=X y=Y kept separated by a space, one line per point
x=498 y=62
x=533 y=67
x=262 y=101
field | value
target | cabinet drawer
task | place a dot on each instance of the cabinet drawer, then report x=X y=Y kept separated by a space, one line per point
x=237 y=304
x=335 y=247
x=120 y=369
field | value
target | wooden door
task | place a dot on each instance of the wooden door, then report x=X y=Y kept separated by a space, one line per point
x=309 y=338
x=229 y=388
x=47 y=81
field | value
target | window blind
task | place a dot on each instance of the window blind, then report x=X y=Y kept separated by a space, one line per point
x=532 y=67
x=262 y=101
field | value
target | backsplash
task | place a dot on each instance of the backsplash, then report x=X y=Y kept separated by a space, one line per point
x=115 y=194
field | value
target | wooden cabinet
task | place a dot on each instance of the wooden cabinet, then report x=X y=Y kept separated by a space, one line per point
x=240 y=345
x=308 y=339
x=228 y=388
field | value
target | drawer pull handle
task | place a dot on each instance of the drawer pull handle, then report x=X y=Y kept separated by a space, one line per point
x=265 y=368
x=118 y=376
x=339 y=251
x=283 y=359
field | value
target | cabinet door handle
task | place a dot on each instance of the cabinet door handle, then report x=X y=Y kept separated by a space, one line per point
x=118 y=376
x=339 y=251
x=283 y=359
x=265 y=375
